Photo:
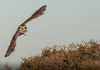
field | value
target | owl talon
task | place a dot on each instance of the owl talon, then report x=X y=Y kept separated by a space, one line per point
x=25 y=34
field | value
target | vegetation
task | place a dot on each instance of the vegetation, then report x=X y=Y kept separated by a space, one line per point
x=84 y=56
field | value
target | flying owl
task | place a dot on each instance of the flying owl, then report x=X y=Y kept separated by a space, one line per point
x=22 y=29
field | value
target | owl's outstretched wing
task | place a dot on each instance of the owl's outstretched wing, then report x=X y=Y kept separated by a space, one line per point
x=22 y=29
x=37 y=14
x=12 y=44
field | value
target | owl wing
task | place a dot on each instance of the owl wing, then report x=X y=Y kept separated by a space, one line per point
x=12 y=45
x=37 y=14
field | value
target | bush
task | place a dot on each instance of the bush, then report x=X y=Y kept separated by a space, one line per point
x=84 y=56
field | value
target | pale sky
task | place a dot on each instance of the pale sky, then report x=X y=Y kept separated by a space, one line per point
x=64 y=22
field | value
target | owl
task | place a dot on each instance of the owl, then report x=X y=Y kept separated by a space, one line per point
x=22 y=29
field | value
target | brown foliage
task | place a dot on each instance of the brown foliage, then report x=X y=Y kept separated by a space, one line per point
x=84 y=56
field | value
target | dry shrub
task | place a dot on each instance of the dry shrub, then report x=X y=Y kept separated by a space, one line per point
x=84 y=56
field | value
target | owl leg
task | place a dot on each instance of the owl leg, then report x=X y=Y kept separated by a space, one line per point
x=25 y=33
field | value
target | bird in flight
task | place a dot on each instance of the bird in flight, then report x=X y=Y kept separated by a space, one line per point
x=22 y=29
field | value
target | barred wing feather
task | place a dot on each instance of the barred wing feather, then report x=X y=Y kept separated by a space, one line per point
x=22 y=29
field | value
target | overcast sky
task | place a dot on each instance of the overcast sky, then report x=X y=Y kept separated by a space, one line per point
x=64 y=22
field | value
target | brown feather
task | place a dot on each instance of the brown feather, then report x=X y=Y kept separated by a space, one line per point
x=38 y=13
x=23 y=27
x=12 y=44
